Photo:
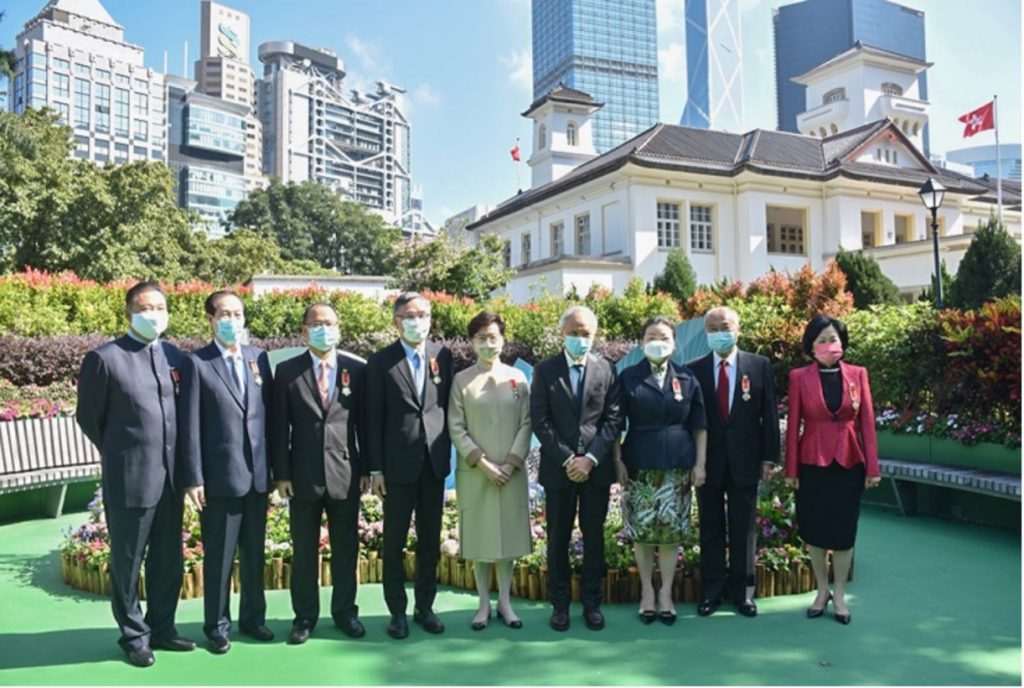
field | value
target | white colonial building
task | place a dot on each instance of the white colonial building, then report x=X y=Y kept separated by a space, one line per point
x=739 y=205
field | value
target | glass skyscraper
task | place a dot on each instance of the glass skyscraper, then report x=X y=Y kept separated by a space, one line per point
x=810 y=32
x=714 y=66
x=607 y=48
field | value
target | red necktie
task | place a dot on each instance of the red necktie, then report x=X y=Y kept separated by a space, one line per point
x=723 y=390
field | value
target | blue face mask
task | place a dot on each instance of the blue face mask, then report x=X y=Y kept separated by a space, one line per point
x=578 y=347
x=721 y=342
x=324 y=337
x=229 y=330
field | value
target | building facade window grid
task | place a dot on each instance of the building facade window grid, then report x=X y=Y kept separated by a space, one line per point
x=668 y=224
x=557 y=239
x=525 y=249
x=701 y=228
x=583 y=234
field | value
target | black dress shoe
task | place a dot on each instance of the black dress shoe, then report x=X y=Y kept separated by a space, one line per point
x=647 y=616
x=707 y=607
x=219 y=644
x=560 y=620
x=666 y=617
x=399 y=627
x=747 y=608
x=174 y=643
x=143 y=657
x=351 y=626
x=429 y=621
x=593 y=618
x=813 y=613
x=843 y=618
x=298 y=635
x=261 y=633
x=515 y=623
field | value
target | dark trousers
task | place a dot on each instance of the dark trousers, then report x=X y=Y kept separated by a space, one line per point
x=131 y=530
x=727 y=513
x=229 y=522
x=561 y=504
x=343 y=534
x=426 y=498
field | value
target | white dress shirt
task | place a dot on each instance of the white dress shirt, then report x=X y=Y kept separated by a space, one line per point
x=332 y=378
x=236 y=365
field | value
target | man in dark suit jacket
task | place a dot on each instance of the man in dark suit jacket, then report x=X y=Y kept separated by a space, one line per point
x=408 y=384
x=127 y=396
x=743 y=445
x=225 y=396
x=317 y=416
x=574 y=409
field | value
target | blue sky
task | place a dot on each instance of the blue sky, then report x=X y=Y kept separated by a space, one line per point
x=466 y=65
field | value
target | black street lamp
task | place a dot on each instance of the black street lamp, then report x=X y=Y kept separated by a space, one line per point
x=931 y=195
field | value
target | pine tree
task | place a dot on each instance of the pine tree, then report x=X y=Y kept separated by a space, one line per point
x=678 y=278
x=990 y=268
x=864 y=279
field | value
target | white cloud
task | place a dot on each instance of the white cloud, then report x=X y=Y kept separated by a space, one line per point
x=671 y=18
x=369 y=55
x=520 y=65
x=672 y=64
x=425 y=94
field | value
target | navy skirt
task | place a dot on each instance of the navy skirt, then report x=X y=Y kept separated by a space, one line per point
x=828 y=505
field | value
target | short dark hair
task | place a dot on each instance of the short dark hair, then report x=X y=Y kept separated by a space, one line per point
x=485 y=319
x=657 y=320
x=212 y=299
x=814 y=328
x=309 y=310
x=139 y=289
x=405 y=297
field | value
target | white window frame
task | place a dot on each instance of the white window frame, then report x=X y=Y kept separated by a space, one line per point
x=702 y=231
x=668 y=227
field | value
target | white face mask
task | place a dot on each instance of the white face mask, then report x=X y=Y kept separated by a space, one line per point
x=488 y=351
x=658 y=350
x=415 y=330
x=149 y=324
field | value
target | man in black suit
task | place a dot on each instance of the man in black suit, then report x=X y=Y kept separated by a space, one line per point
x=408 y=384
x=127 y=396
x=743 y=445
x=225 y=397
x=574 y=408
x=317 y=415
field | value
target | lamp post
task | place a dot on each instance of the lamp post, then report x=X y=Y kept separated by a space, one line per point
x=931 y=195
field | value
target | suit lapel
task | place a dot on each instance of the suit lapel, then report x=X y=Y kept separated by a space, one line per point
x=589 y=374
x=309 y=375
x=565 y=382
x=706 y=376
x=849 y=383
x=431 y=350
x=652 y=381
x=737 y=388
x=221 y=366
x=404 y=367
x=812 y=383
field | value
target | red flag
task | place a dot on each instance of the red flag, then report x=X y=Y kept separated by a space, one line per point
x=515 y=152
x=979 y=120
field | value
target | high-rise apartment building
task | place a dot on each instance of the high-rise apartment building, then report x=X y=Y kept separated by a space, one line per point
x=223 y=71
x=714 y=66
x=607 y=48
x=355 y=142
x=982 y=159
x=73 y=59
x=811 y=32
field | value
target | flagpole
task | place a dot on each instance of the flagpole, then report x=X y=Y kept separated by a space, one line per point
x=999 y=169
x=519 y=185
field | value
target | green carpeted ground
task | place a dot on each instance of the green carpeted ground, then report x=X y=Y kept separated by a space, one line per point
x=933 y=603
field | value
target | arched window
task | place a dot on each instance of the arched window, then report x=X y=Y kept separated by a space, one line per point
x=891 y=89
x=917 y=128
x=542 y=136
x=821 y=132
x=834 y=128
x=835 y=95
x=570 y=134
x=904 y=127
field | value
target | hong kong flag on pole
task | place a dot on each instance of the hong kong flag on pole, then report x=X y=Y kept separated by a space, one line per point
x=979 y=120
x=515 y=151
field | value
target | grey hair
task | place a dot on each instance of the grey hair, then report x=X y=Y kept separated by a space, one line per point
x=406 y=297
x=729 y=314
x=574 y=310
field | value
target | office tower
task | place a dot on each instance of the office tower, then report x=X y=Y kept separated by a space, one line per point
x=206 y=152
x=714 y=66
x=607 y=48
x=73 y=59
x=812 y=32
x=982 y=159
x=223 y=71
x=357 y=142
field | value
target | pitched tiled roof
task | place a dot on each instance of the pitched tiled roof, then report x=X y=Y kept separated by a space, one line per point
x=667 y=146
x=563 y=94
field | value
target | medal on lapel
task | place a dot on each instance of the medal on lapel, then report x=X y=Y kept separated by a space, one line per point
x=515 y=389
x=254 y=367
x=435 y=370
x=677 y=389
x=745 y=384
x=346 y=382
x=176 y=379
x=853 y=396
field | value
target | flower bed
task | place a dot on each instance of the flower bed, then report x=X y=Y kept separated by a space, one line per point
x=783 y=566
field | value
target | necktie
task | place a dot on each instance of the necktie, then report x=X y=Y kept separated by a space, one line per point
x=236 y=373
x=417 y=366
x=324 y=383
x=577 y=388
x=723 y=390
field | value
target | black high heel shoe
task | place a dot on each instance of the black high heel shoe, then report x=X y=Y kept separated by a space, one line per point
x=481 y=625
x=843 y=618
x=515 y=623
x=813 y=613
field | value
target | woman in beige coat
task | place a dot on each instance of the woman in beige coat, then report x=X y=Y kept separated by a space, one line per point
x=489 y=423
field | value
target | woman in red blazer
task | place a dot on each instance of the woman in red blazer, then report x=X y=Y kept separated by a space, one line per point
x=834 y=459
